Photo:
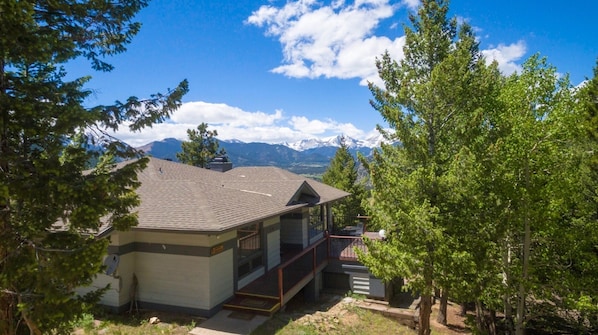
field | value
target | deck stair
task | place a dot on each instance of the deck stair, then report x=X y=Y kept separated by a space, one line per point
x=254 y=303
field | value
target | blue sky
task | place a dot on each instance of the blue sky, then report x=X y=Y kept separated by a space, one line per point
x=276 y=71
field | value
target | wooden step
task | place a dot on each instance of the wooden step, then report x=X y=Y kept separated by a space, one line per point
x=254 y=303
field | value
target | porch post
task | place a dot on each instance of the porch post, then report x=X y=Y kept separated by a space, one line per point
x=329 y=223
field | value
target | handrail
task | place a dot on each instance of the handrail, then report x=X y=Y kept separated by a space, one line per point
x=311 y=248
x=348 y=243
x=302 y=253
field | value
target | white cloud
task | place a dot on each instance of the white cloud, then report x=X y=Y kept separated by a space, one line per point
x=338 y=40
x=506 y=56
x=331 y=41
x=235 y=123
x=219 y=113
x=411 y=4
x=321 y=127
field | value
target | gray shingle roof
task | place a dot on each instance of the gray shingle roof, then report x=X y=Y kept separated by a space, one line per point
x=181 y=197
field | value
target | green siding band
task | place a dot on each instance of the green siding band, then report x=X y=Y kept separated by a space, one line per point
x=172 y=249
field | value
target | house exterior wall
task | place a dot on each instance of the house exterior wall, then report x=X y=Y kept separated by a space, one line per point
x=175 y=280
x=111 y=297
x=175 y=271
x=293 y=228
x=272 y=232
x=221 y=274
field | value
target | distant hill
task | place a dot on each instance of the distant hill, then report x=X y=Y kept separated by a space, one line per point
x=313 y=159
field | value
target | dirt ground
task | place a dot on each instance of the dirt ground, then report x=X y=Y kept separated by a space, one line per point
x=456 y=322
x=326 y=315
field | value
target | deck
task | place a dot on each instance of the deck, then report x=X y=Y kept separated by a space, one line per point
x=274 y=289
x=268 y=293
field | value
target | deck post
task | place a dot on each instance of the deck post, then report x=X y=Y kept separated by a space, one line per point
x=280 y=286
x=314 y=261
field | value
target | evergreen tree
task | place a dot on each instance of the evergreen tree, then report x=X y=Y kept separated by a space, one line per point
x=342 y=174
x=436 y=100
x=52 y=201
x=201 y=148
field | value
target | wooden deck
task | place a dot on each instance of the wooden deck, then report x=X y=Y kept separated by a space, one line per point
x=343 y=247
x=270 y=292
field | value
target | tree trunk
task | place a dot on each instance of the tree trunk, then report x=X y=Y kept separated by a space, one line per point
x=508 y=309
x=463 y=309
x=479 y=317
x=520 y=324
x=425 y=310
x=7 y=325
x=7 y=301
x=33 y=329
x=442 y=310
x=491 y=321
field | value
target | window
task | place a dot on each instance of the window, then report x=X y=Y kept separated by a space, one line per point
x=316 y=221
x=249 y=245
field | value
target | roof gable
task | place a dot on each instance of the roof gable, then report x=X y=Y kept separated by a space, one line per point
x=305 y=194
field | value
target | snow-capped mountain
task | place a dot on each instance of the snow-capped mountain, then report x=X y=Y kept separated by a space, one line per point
x=310 y=156
x=335 y=141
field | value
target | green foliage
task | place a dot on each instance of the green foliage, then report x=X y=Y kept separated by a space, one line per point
x=436 y=100
x=201 y=148
x=536 y=163
x=491 y=193
x=59 y=181
x=342 y=174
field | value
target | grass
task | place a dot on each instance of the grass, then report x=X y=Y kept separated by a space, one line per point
x=135 y=324
x=331 y=317
x=355 y=321
x=328 y=316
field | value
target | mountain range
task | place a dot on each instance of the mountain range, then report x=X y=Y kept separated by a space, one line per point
x=307 y=157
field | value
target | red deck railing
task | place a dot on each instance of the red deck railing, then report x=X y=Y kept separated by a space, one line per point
x=295 y=273
x=343 y=247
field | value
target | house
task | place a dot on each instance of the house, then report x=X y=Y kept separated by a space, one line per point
x=204 y=236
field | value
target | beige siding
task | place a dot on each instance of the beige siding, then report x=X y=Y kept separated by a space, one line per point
x=125 y=270
x=271 y=221
x=111 y=297
x=273 y=246
x=118 y=238
x=221 y=277
x=173 y=279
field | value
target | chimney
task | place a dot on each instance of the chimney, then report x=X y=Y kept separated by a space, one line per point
x=220 y=163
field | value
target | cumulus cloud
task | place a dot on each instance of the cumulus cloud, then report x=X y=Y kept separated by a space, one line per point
x=337 y=40
x=506 y=56
x=411 y=4
x=331 y=41
x=235 y=123
x=328 y=126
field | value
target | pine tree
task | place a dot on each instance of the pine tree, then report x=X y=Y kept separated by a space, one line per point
x=59 y=184
x=201 y=148
x=435 y=100
x=342 y=174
